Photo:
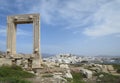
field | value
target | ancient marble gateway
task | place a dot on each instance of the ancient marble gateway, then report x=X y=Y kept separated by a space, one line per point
x=34 y=60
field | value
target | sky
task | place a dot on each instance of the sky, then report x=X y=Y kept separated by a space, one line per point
x=83 y=27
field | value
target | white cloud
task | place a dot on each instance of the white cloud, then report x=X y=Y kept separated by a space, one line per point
x=67 y=12
x=106 y=20
x=101 y=15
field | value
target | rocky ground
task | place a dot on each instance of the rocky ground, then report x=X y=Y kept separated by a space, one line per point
x=51 y=73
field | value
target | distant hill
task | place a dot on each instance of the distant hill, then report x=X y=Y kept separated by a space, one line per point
x=2 y=53
x=45 y=55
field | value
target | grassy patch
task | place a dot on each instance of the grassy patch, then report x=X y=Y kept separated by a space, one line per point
x=108 y=78
x=77 y=78
x=47 y=75
x=117 y=67
x=13 y=80
x=14 y=74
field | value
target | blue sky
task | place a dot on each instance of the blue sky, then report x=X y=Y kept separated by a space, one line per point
x=84 y=27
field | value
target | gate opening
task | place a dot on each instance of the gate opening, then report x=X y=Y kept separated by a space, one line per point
x=24 y=38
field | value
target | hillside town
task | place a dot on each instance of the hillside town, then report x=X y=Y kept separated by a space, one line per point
x=74 y=59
